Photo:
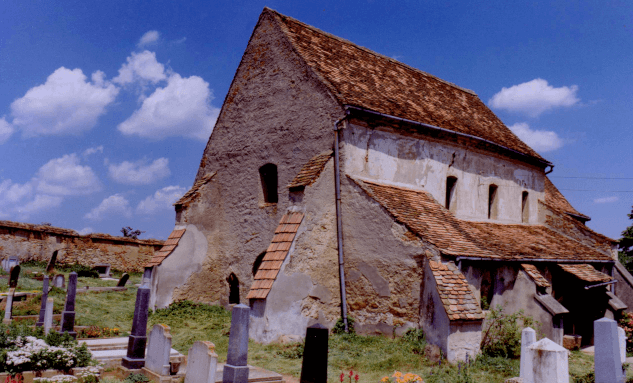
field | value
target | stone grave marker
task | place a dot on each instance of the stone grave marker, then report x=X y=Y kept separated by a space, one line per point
x=549 y=362
x=103 y=269
x=48 y=316
x=9 y=262
x=59 y=281
x=201 y=363
x=40 y=320
x=51 y=262
x=123 y=280
x=608 y=363
x=14 y=276
x=135 y=358
x=8 y=309
x=528 y=337
x=314 y=365
x=68 y=315
x=235 y=369
x=158 y=348
x=622 y=339
x=147 y=276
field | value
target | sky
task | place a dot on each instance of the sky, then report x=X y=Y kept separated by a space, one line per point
x=106 y=107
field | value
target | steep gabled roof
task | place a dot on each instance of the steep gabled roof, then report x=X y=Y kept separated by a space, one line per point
x=554 y=198
x=194 y=192
x=356 y=76
x=311 y=170
x=169 y=246
x=457 y=297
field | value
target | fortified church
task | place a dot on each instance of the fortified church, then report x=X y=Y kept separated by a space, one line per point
x=335 y=174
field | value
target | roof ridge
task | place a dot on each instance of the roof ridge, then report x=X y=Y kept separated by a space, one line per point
x=315 y=29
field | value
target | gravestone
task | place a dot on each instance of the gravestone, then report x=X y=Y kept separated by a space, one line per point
x=528 y=337
x=622 y=339
x=8 y=309
x=158 y=348
x=9 y=262
x=123 y=280
x=51 y=262
x=235 y=369
x=103 y=270
x=314 y=365
x=59 y=281
x=48 y=316
x=147 y=276
x=14 y=276
x=40 y=320
x=68 y=315
x=135 y=357
x=608 y=363
x=201 y=363
x=549 y=362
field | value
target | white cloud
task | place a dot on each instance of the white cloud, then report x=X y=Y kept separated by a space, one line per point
x=19 y=200
x=182 y=108
x=66 y=103
x=90 y=151
x=150 y=37
x=161 y=200
x=141 y=67
x=114 y=205
x=38 y=204
x=606 y=199
x=86 y=230
x=539 y=140
x=534 y=97
x=6 y=130
x=65 y=176
x=138 y=173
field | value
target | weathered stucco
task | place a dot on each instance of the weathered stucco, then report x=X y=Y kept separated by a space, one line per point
x=433 y=318
x=464 y=338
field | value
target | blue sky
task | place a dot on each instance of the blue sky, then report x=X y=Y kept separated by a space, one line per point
x=106 y=107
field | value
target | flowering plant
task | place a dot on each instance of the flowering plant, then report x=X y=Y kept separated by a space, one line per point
x=399 y=377
x=97 y=332
x=351 y=374
x=626 y=322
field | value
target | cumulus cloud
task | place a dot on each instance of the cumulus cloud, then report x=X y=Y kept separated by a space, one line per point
x=67 y=103
x=150 y=37
x=39 y=203
x=66 y=176
x=141 y=67
x=606 y=199
x=91 y=151
x=540 y=140
x=85 y=230
x=161 y=200
x=139 y=172
x=113 y=205
x=534 y=97
x=19 y=200
x=6 y=130
x=182 y=108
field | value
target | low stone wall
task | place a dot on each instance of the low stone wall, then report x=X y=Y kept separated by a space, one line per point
x=38 y=242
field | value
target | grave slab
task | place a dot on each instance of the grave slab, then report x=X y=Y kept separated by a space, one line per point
x=608 y=363
x=40 y=320
x=158 y=346
x=235 y=370
x=201 y=363
x=314 y=364
x=549 y=362
x=528 y=337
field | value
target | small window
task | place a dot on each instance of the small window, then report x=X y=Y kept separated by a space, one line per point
x=450 y=193
x=268 y=175
x=258 y=262
x=525 y=209
x=492 y=202
x=234 y=289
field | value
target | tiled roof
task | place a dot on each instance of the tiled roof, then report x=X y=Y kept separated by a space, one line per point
x=359 y=77
x=194 y=191
x=424 y=216
x=555 y=199
x=311 y=170
x=535 y=274
x=169 y=246
x=275 y=255
x=586 y=272
x=458 y=299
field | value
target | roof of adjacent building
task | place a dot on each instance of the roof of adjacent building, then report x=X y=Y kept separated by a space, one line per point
x=169 y=246
x=424 y=216
x=275 y=255
x=311 y=170
x=535 y=274
x=194 y=192
x=551 y=304
x=359 y=77
x=457 y=297
x=585 y=272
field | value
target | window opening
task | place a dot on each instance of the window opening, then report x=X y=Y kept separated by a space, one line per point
x=492 y=202
x=268 y=176
x=525 y=210
x=450 y=191
x=258 y=262
x=234 y=289
x=486 y=291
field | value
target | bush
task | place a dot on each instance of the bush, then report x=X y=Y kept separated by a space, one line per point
x=339 y=327
x=626 y=322
x=416 y=339
x=136 y=378
x=502 y=335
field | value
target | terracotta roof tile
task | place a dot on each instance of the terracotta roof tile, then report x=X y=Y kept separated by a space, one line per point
x=425 y=217
x=311 y=170
x=458 y=299
x=586 y=272
x=275 y=255
x=555 y=199
x=535 y=274
x=168 y=247
x=359 y=77
x=194 y=192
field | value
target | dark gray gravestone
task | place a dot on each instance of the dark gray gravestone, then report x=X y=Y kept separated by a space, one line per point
x=40 y=320
x=123 y=280
x=68 y=315
x=14 y=275
x=52 y=261
x=135 y=358
x=235 y=369
x=314 y=366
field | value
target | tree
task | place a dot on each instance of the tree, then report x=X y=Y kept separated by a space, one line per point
x=131 y=233
x=626 y=246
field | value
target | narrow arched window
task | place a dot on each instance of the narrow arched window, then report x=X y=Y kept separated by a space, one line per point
x=492 y=202
x=450 y=192
x=268 y=176
x=525 y=208
x=234 y=289
x=258 y=262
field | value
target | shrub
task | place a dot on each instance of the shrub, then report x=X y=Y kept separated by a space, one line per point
x=136 y=378
x=339 y=327
x=416 y=340
x=626 y=322
x=502 y=335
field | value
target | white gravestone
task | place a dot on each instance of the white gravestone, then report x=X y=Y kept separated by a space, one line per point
x=201 y=363
x=622 y=339
x=8 y=308
x=550 y=362
x=528 y=337
x=607 y=359
x=48 y=316
x=157 y=355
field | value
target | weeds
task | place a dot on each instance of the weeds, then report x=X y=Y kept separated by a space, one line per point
x=502 y=335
